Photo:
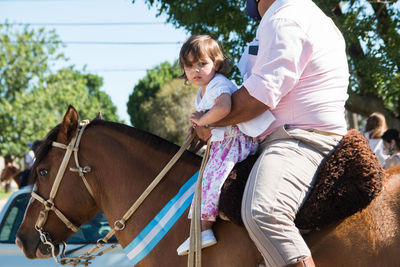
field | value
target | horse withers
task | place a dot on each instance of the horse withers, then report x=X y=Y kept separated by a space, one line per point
x=124 y=160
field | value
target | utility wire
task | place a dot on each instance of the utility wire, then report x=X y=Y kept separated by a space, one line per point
x=106 y=43
x=123 y=43
x=41 y=1
x=85 y=23
x=116 y=70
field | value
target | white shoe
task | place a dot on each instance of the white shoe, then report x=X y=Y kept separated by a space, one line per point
x=207 y=239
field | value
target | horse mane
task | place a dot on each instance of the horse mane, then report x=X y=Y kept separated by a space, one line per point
x=140 y=135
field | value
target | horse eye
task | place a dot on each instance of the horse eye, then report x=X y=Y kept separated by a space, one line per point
x=42 y=172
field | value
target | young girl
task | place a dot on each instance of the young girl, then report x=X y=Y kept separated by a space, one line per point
x=205 y=65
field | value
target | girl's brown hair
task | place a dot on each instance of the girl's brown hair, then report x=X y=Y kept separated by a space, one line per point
x=376 y=123
x=200 y=46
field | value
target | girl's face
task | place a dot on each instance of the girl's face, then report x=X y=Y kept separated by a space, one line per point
x=201 y=72
x=388 y=147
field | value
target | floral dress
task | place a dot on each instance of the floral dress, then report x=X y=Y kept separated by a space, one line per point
x=229 y=145
x=224 y=154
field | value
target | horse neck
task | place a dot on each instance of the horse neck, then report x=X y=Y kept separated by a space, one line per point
x=124 y=166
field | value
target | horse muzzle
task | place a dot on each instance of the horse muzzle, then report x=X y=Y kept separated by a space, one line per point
x=34 y=248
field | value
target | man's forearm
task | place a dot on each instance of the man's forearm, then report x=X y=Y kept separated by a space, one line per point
x=244 y=108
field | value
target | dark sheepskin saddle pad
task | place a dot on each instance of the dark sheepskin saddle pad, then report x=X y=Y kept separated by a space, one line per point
x=347 y=181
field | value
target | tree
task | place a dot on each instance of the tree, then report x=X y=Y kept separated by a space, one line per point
x=371 y=30
x=169 y=110
x=161 y=103
x=147 y=88
x=33 y=96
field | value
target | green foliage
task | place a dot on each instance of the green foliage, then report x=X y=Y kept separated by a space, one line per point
x=371 y=30
x=33 y=97
x=169 y=110
x=226 y=21
x=4 y=194
x=147 y=88
x=376 y=65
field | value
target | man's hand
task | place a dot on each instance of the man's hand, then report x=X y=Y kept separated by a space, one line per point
x=203 y=133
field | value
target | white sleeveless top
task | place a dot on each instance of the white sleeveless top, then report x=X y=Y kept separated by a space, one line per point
x=220 y=85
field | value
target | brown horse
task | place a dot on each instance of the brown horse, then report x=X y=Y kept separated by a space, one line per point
x=10 y=173
x=124 y=161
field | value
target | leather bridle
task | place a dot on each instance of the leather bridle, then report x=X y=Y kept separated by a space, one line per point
x=119 y=225
x=48 y=204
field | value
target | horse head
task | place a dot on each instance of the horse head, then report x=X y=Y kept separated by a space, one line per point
x=52 y=214
x=8 y=172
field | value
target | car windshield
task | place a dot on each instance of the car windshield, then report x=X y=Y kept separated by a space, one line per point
x=96 y=229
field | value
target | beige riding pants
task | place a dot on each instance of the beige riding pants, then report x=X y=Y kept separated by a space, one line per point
x=278 y=184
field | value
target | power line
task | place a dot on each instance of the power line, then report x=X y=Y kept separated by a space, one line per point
x=85 y=23
x=40 y=1
x=123 y=43
x=116 y=70
x=107 y=43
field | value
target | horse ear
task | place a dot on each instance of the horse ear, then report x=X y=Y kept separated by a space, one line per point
x=69 y=125
x=99 y=116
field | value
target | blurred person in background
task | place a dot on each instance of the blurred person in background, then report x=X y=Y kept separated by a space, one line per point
x=376 y=126
x=30 y=157
x=29 y=160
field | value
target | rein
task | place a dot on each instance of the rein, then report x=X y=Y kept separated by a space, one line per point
x=119 y=225
x=194 y=258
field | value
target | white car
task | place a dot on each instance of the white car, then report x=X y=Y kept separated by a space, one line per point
x=11 y=256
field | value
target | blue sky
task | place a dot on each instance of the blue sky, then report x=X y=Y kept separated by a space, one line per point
x=121 y=66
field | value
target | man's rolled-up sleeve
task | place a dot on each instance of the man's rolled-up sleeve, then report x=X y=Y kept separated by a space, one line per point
x=284 y=51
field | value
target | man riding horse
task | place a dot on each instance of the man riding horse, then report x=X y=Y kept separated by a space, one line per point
x=297 y=68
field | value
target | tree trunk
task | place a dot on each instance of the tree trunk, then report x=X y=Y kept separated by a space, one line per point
x=353 y=120
x=365 y=105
